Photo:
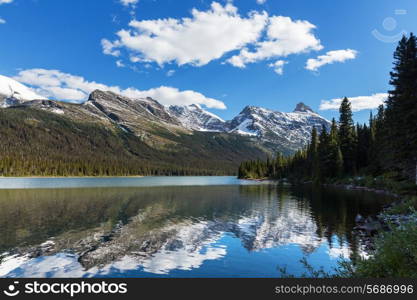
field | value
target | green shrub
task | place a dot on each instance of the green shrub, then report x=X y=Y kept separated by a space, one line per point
x=406 y=207
x=395 y=255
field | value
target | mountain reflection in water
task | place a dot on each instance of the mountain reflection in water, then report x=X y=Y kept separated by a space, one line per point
x=201 y=231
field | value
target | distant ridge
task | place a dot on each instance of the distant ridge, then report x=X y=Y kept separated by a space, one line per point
x=271 y=130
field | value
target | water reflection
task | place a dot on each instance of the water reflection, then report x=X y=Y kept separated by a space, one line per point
x=176 y=231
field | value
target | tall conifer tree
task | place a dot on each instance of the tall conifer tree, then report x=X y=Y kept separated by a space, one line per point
x=347 y=137
x=313 y=157
x=401 y=111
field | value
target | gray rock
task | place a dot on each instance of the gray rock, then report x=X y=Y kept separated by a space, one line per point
x=359 y=219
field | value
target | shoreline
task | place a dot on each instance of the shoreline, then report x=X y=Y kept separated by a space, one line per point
x=69 y=177
x=352 y=187
x=256 y=179
x=132 y=176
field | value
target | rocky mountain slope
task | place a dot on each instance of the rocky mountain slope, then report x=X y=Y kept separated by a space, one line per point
x=195 y=118
x=287 y=132
x=171 y=132
x=278 y=131
x=110 y=135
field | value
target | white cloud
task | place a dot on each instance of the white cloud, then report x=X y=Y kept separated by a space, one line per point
x=313 y=64
x=134 y=59
x=283 y=37
x=129 y=2
x=120 y=64
x=170 y=73
x=210 y=35
x=109 y=48
x=3 y=21
x=64 y=93
x=173 y=96
x=278 y=66
x=64 y=86
x=261 y=2
x=206 y=36
x=358 y=103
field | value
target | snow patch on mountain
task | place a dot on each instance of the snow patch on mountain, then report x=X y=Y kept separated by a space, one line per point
x=279 y=131
x=195 y=118
x=244 y=128
x=291 y=130
x=12 y=91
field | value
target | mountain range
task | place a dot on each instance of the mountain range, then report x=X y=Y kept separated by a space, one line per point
x=254 y=133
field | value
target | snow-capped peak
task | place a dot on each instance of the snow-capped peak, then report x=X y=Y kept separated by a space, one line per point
x=286 y=132
x=301 y=107
x=291 y=130
x=10 y=88
x=195 y=118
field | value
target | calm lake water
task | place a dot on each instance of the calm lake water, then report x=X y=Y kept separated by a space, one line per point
x=174 y=227
x=150 y=181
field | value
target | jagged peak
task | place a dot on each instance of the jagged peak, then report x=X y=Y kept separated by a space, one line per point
x=195 y=106
x=186 y=106
x=99 y=93
x=150 y=100
x=250 y=109
x=301 y=107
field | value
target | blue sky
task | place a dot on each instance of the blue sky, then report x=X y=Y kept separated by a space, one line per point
x=227 y=54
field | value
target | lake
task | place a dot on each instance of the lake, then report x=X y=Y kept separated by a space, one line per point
x=174 y=227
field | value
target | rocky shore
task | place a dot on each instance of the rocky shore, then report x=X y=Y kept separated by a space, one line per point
x=363 y=188
x=367 y=229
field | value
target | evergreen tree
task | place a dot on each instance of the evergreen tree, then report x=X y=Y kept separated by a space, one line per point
x=388 y=143
x=363 y=146
x=378 y=148
x=312 y=156
x=347 y=137
x=372 y=132
x=279 y=166
x=401 y=111
x=336 y=157
x=324 y=153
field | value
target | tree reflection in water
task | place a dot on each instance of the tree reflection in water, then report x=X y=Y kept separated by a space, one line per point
x=93 y=232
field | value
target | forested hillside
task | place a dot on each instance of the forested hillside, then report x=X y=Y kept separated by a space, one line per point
x=386 y=146
x=34 y=142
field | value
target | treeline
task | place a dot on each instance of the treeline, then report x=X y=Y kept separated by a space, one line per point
x=39 y=143
x=15 y=166
x=387 y=144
